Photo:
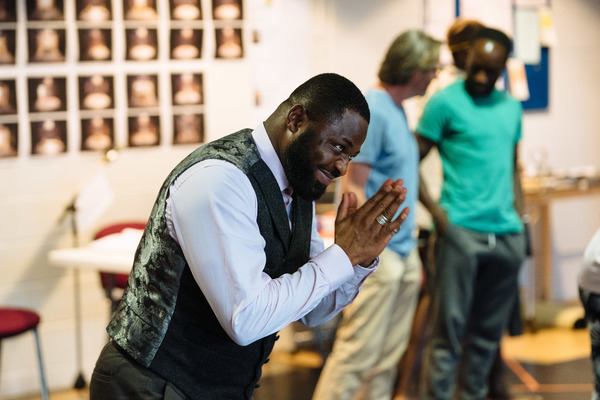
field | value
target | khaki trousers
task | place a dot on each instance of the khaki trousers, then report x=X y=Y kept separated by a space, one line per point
x=373 y=333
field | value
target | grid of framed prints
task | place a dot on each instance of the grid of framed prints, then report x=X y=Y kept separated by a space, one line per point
x=90 y=75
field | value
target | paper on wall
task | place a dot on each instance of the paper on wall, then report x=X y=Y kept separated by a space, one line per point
x=527 y=47
x=517 y=79
x=93 y=200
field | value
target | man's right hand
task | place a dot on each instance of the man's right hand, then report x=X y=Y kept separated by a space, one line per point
x=364 y=232
x=440 y=220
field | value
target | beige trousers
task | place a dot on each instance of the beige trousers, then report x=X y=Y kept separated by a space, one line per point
x=373 y=333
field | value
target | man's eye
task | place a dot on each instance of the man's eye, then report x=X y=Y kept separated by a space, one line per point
x=339 y=147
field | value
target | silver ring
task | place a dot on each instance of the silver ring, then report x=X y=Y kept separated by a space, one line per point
x=382 y=219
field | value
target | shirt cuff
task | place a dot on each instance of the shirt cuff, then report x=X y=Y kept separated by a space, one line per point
x=374 y=264
x=334 y=265
x=361 y=273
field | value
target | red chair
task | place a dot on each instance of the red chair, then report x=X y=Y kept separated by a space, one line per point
x=13 y=322
x=113 y=283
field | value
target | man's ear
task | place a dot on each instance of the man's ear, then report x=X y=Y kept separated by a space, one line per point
x=296 y=118
x=416 y=75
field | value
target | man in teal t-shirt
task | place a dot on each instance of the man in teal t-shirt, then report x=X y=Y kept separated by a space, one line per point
x=480 y=245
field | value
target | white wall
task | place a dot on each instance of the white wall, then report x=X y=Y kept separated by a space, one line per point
x=345 y=36
x=569 y=132
x=355 y=34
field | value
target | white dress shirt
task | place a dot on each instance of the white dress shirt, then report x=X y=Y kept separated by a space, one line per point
x=211 y=212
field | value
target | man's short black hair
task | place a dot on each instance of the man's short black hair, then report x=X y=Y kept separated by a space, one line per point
x=495 y=35
x=327 y=96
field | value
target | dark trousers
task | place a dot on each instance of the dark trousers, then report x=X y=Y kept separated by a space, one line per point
x=118 y=377
x=591 y=305
x=475 y=287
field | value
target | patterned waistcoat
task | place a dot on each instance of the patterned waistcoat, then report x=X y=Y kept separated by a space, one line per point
x=164 y=321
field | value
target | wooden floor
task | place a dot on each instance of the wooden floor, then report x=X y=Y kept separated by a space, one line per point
x=549 y=364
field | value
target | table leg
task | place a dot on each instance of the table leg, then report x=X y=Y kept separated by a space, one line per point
x=545 y=252
x=80 y=381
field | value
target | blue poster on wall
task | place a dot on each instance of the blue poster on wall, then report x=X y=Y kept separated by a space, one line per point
x=537 y=80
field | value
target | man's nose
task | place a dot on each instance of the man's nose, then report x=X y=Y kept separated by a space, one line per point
x=341 y=165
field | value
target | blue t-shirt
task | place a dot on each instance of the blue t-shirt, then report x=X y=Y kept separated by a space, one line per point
x=476 y=139
x=392 y=152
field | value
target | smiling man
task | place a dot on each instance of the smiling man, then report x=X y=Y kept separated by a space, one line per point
x=480 y=244
x=231 y=254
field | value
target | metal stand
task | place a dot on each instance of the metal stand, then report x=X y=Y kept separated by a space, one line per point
x=80 y=381
x=70 y=211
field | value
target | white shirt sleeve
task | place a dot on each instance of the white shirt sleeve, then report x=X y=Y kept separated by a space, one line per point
x=212 y=212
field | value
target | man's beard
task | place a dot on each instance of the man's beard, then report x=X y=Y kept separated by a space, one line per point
x=299 y=171
x=478 y=91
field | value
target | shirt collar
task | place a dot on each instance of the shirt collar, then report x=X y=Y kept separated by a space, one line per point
x=267 y=153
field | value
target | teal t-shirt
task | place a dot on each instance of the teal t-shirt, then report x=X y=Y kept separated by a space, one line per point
x=392 y=152
x=476 y=138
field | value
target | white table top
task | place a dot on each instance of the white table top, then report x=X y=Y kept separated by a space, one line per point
x=112 y=253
